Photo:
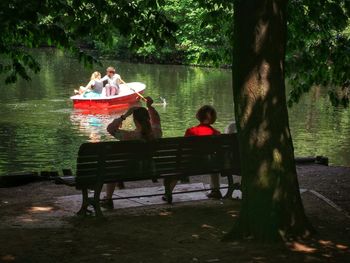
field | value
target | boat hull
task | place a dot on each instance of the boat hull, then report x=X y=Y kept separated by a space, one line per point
x=126 y=98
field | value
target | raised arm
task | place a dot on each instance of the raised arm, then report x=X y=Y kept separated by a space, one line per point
x=154 y=115
x=114 y=127
x=104 y=78
x=122 y=81
x=88 y=87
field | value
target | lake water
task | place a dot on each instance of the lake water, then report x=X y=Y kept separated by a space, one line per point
x=40 y=130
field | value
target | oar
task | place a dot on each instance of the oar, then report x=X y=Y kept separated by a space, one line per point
x=139 y=94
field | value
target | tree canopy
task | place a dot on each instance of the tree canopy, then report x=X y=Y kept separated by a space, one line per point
x=319 y=48
x=64 y=24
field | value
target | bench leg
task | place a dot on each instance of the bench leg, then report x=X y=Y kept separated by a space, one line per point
x=168 y=191
x=230 y=187
x=85 y=203
x=96 y=200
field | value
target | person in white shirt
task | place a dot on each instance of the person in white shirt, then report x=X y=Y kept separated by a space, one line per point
x=114 y=80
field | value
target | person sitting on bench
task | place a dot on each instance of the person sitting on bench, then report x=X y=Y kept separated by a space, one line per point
x=148 y=127
x=206 y=116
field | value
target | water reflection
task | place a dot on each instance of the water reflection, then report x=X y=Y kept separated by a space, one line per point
x=93 y=122
x=93 y=125
x=88 y=124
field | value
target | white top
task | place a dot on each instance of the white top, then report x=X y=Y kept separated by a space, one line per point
x=231 y=128
x=114 y=81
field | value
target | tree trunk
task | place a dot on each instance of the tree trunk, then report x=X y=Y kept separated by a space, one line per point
x=271 y=205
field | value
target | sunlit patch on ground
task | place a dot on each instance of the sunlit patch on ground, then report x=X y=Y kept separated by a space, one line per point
x=330 y=244
x=325 y=242
x=326 y=248
x=8 y=258
x=28 y=220
x=299 y=247
x=38 y=209
x=207 y=226
x=165 y=213
x=233 y=213
x=259 y=259
x=342 y=247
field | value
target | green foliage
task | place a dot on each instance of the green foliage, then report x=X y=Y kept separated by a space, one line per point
x=319 y=48
x=65 y=23
x=204 y=35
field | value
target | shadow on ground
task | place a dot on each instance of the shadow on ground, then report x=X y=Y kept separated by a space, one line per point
x=187 y=232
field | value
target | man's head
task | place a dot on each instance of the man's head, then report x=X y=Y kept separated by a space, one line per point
x=110 y=71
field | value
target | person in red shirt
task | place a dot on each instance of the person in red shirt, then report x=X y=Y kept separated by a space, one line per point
x=206 y=116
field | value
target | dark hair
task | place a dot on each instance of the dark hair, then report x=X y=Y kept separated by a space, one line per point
x=142 y=117
x=204 y=112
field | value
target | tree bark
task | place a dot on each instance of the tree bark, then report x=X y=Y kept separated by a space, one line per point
x=271 y=206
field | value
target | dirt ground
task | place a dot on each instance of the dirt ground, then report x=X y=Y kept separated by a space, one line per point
x=186 y=232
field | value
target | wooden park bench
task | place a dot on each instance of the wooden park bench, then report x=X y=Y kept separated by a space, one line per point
x=107 y=162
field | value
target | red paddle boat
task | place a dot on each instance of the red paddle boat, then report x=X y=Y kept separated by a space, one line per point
x=129 y=94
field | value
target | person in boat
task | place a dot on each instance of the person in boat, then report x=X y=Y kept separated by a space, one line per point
x=113 y=81
x=95 y=85
x=206 y=116
x=148 y=127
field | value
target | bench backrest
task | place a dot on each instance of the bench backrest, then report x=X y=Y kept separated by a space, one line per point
x=139 y=160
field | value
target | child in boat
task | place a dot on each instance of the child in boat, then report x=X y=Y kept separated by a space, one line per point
x=206 y=116
x=147 y=123
x=113 y=81
x=95 y=85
